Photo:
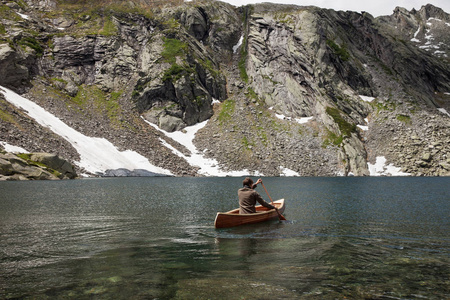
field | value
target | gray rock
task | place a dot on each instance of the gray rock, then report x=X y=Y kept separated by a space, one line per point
x=6 y=167
x=13 y=167
x=445 y=165
x=13 y=71
x=426 y=157
x=56 y=163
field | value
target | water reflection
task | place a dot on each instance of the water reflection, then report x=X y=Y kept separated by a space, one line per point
x=154 y=238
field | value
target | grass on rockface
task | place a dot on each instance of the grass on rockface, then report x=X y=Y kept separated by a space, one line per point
x=342 y=52
x=345 y=127
x=95 y=23
x=109 y=28
x=2 y=29
x=27 y=158
x=173 y=73
x=247 y=145
x=33 y=44
x=209 y=65
x=173 y=48
x=404 y=118
x=94 y=17
x=242 y=64
x=6 y=13
x=384 y=106
x=28 y=36
x=262 y=135
x=92 y=96
x=6 y=117
x=226 y=111
x=332 y=138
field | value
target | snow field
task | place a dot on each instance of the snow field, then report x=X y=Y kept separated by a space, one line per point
x=97 y=154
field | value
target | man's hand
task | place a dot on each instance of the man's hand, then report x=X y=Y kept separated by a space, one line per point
x=259 y=181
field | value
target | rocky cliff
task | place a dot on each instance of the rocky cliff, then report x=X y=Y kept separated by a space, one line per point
x=314 y=91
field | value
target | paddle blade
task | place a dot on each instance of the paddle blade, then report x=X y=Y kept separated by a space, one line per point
x=280 y=216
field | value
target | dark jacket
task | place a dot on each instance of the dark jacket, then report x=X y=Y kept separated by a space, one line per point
x=247 y=200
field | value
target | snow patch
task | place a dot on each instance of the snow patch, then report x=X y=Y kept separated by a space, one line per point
x=298 y=120
x=366 y=98
x=435 y=19
x=380 y=168
x=97 y=154
x=304 y=120
x=414 y=39
x=442 y=110
x=208 y=166
x=236 y=47
x=288 y=172
x=24 y=16
x=363 y=127
x=13 y=149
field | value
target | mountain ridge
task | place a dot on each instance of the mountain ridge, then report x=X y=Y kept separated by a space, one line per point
x=109 y=68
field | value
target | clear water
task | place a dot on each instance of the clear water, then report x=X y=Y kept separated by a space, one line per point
x=153 y=238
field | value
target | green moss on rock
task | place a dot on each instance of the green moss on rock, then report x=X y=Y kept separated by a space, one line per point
x=345 y=127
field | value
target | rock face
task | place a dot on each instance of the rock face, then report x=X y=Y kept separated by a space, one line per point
x=289 y=80
x=35 y=166
x=56 y=163
x=13 y=71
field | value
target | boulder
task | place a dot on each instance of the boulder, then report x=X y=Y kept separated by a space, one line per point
x=170 y=123
x=56 y=163
x=6 y=167
x=36 y=173
x=445 y=165
x=12 y=71
x=426 y=157
x=196 y=22
x=13 y=167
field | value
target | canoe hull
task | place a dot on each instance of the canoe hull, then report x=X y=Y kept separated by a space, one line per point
x=233 y=218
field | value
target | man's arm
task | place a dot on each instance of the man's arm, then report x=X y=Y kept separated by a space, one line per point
x=256 y=184
x=262 y=202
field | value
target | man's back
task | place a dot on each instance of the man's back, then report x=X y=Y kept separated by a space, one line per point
x=247 y=200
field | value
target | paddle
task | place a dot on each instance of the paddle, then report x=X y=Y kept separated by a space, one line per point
x=279 y=215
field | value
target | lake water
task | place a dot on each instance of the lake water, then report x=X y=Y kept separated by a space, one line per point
x=154 y=238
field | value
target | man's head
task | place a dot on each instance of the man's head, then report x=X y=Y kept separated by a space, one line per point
x=247 y=182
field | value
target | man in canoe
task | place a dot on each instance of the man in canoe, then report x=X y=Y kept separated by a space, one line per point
x=248 y=197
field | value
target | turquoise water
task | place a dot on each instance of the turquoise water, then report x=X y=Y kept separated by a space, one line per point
x=154 y=238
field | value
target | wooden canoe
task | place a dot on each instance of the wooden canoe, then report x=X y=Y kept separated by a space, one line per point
x=233 y=218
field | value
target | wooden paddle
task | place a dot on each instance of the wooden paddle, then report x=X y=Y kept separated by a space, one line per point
x=279 y=215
